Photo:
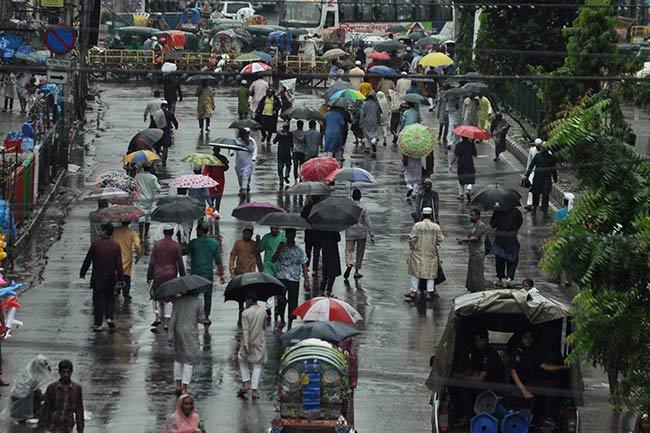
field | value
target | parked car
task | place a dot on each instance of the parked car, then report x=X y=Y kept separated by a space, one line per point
x=503 y=313
x=228 y=9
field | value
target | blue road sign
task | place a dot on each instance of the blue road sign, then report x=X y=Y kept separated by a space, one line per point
x=60 y=39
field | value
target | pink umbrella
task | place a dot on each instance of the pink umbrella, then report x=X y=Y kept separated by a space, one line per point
x=193 y=181
x=318 y=169
x=255 y=211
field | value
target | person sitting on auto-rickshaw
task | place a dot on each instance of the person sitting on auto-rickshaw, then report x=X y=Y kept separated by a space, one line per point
x=482 y=364
x=529 y=369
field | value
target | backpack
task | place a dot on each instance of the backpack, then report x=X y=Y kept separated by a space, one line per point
x=488 y=245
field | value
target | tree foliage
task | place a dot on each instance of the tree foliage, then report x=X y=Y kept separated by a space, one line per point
x=604 y=244
x=591 y=52
x=506 y=32
x=465 y=40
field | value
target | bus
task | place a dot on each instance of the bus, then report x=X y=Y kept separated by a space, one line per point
x=363 y=16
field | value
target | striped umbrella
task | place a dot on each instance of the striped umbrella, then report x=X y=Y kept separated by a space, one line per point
x=111 y=194
x=327 y=309
x=255 y=68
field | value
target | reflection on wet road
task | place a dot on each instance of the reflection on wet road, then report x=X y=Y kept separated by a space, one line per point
x=127 y=375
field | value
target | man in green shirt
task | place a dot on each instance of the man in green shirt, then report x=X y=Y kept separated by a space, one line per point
x=204 y=253
x=268 y=245
x=243 y=107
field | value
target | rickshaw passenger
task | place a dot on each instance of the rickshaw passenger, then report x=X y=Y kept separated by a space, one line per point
x=482 y=365
x=530 y=368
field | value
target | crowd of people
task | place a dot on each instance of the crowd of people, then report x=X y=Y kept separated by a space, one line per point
x=382 y=113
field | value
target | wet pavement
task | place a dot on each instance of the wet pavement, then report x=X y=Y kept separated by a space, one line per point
x=127 y=374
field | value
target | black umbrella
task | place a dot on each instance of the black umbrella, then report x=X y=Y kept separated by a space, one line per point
x=181 y=200
x=335 y=214
x=416 y=35
x=180 y=286
x=197 y=79
x=144 y=139
x=263 y=285
x=309 y=188
x=333 y=332
x=246 y=123
x=177 y=212
x=429 y=40
x=229 y=143
x=415 y=98
x=255 y=211
x=395 y=28
x=481 y=89
x=497 y=196
x=285 y=220
x=302 y=113
x=390 y=45
x=335 y=87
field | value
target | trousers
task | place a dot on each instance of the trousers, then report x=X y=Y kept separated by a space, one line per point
x=103 y=301
x=298 y=160
x=506 y=268
x=183 y=372
x=350 y=246
x=415 y=285
x=207 y=302
x=284 y=169
x=163 y=309
x=545 y=197
x=293 y=288
x=245 y=370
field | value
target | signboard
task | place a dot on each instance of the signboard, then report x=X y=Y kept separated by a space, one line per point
x=58 y=64
x=52 y=3
x=57 y=77
x=60 y=39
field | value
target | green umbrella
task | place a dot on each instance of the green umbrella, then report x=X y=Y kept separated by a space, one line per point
x=248 y=57
x=416 y=140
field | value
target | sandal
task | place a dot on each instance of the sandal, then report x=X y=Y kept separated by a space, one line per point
x=255 y=395
x=97 y=329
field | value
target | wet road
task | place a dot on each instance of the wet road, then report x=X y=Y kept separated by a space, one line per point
x=127 y=374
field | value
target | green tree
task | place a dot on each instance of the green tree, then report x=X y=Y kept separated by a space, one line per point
x=465 y=40
x=604 y=245
x=591 y=52
x=512 y=39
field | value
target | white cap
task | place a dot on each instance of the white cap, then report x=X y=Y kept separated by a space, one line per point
x=404 y=73
x=427 y=211
x=167 y=227
x=538 y=141
x=247 y=129
x=358 y=62
x=153 y=38
x=244 y=82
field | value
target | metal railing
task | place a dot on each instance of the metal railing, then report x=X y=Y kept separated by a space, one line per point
x=523 y=97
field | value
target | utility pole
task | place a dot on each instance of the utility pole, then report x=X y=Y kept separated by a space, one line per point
x=85 y=7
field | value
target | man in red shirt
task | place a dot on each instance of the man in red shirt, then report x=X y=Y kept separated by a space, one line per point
x=218 y=174
x=105 y=256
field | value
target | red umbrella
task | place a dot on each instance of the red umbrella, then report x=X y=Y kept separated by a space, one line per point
x=318 y=169
x=379 y=56
x=117 y=213
x=472 y=132
x=327 y=309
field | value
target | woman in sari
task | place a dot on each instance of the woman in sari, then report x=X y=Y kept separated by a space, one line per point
x=184 y=419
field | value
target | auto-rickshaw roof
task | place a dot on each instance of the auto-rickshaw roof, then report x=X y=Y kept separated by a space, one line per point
x=537 y=309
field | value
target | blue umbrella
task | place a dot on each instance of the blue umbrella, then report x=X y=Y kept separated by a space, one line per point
x=265 y=57
x=383 y=70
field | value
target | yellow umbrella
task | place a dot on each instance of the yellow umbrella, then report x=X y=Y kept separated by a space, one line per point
x=201 y=159
x=436 y=59
x=140 y=156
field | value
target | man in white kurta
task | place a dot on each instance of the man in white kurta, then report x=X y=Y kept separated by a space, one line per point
x=252 y=352
x=424 y=242
x=534 y=150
